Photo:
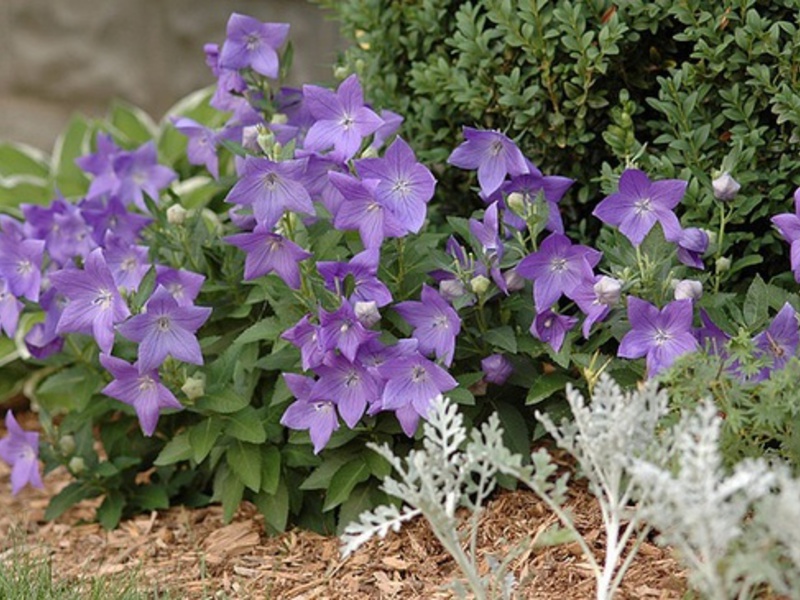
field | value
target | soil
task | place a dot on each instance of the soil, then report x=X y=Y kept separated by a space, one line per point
x=193 y=554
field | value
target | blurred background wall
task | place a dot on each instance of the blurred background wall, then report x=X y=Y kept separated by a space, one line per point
x=58 y=57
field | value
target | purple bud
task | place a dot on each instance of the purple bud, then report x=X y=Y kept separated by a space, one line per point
x=688 y=289
x=497 y=368
x=725 y=187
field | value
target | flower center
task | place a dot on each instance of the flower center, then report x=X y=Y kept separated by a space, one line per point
x=103 y=299
x=163 y=323
x=643 y=206
x=24 y=267
x=252 y=42
x=271 y=181
x=440 y=322
x=352 y=379
x=402 y=187
x=129 y=264
x=496 y=148
x=558 y=264
x=146 y=383
x=418 y=374
x=322 y=406
x=347 y=121
x=661 y=337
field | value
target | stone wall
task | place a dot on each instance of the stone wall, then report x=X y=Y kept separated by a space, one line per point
x=58 y=57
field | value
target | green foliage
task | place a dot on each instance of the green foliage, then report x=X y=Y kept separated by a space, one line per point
x=682 y=88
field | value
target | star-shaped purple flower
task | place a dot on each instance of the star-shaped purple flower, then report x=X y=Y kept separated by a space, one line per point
x=20 y=449
x=142 y=390
x=436 y=324
x=21 y=266
x=269 y=252
x=659 y=335
x=789 y=226
x=317 y=416
x=164 y=329
x=342 y=119
x=405 y=185
x=552 y=328
x=779 y=341
x=493 y=154
x=341 y=330
x=347 y=384
x=361 y=210
x=94 y=305
x=640 y=203
x=558 y=267
x=251 y=43
x=363 y=268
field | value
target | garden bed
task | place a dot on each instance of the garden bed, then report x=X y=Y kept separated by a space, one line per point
x=193 y=554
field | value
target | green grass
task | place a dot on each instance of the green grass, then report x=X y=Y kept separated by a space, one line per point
x=27 y=575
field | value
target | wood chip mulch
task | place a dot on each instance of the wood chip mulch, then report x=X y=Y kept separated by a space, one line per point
x=193 y=554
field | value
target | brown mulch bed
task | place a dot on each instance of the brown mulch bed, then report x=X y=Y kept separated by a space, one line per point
x=192 y=554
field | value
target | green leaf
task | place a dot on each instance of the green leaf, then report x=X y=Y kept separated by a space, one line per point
x=756 y=302
x=245 y=461
x=228 y=489
x=321 y=476
x=19 y=159
x=246 y=425
x=224 y=402
x=545 y=386
x=74 y=141
x=132 y=123
x=110 y=511
x=358 y=501
x=266 y=329
x=150 y=497
x=270 y=469
x=275 y=507
x=516 y=435
x=177 y=449
x=69 y=496
x=69 y=390
x=343 y=482
x=202 y=437
x=503 y=338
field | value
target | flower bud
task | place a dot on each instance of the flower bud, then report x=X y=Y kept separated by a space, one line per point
x=688 y=289
x=480 y=284
x=723 y=264
x=194 y=387
x=496 y=368
x=515 y=201
x=176 y=214
x=76 y=465
x=250 y=137
x=340 y=72
x=514 y=281
x=367 y=313
x=67 y=445
x=279 y=119
x=266 y=140
x=607 y=289
x=450 y=289
x=369 y=152
x=725 y=187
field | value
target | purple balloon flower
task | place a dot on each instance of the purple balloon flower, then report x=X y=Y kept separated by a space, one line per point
x=361 y=210
x=20 y=449
x=251 y=43
x=164 y=329
x=21 y=266
x=363 y=268
x=342 y=119
x=267 y=253
x=493 y=154
x=349 y=385
x=640 y=203
x=317 y=416
x=94 y=304
x=778 y=342
x=142 y=390
x=436 y=324
x=552 y=328
x=659 y=335
x=496 y=368
x=789 y=226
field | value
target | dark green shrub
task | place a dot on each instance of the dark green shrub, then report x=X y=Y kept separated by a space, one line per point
x=684 y=88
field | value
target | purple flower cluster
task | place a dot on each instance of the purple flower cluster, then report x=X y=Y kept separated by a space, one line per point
x=20 y=449
x=81 y=262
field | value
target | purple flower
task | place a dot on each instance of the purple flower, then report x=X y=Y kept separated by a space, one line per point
x=201 y=148
x=405 y=185
x=183 y=285
x=436 y=324
x=342 y=330
x=361 y=210
x=306 y=336
x=272 y=188
x=640 y=203
x=692 y=243
x=558 y=267
x=165 y=329
x=342 y=119
x=659 y=335
x=267 y=253
x=251 y=43
x=496 y=368
x=128 y=263
x=20 y=449
x=318 y=416
x=139 y=173
x=42 y=340
x=10 y=309
x=779 y=341
x=21 y=266
x=391 y=123
x=111 y=215
x=94 y=304
x=363 y=268
x=710 y=337
x=552 y=328
x=141 y=389
x=412 y=382
x=348 y=385
x=487 y=232
x=494 y=156
x=789 y=226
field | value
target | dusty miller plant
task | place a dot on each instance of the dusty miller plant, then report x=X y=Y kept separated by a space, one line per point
x=437 y=479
